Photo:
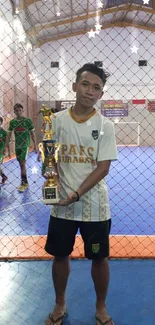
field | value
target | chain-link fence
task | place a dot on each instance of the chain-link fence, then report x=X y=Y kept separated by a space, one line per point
x=43 y=43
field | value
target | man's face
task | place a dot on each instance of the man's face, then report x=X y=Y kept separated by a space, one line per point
x=18 y=111
x=89 y=89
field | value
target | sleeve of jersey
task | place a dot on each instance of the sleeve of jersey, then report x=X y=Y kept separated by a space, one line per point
x=31 y=126
x=11 y=127
x=107 y=149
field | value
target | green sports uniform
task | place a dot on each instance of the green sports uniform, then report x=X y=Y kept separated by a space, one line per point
x=3 y=135
x=21 y=130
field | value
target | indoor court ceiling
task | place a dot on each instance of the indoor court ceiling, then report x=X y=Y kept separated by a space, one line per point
x=47 y=20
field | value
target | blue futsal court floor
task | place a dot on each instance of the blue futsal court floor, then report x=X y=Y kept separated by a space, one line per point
x=131 y=192
x=27 y=295
x=26 y=292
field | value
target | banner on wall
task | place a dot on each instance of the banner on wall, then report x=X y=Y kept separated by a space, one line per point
x=61 y=105
x=151 y=106
x=114 y=108
x=138 y=101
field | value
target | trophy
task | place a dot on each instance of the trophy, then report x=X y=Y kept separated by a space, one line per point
x=49 y=153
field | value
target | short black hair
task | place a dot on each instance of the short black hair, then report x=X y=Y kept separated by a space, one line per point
x=1 y=119
x=18 y=106
x=91 y=67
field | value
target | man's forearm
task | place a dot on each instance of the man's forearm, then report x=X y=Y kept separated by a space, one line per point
x=9 y=152
x=7 y=141
x=94 y=178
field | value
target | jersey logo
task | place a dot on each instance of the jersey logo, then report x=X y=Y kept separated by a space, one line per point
x=20 y=129
x=95 y=248
x=95 y=134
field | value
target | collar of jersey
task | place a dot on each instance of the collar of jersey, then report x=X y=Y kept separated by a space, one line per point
x=81 y=120
x=20 y=119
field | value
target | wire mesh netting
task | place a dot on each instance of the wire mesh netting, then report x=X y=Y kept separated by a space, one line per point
x=43 y=44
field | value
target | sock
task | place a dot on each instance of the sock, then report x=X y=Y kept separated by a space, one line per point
x=24 y=179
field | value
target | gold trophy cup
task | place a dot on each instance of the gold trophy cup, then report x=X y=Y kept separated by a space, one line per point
x=49 y=153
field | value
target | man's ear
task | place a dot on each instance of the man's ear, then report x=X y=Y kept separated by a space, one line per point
x=74 y=87
x=102 y=93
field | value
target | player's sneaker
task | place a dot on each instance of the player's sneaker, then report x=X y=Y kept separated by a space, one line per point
x=23 y=187
x=4 y=179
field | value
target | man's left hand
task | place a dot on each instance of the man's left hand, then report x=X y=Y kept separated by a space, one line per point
x=72 y=197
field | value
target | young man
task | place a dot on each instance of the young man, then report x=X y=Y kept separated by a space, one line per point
x=3 y=135
x=23 y=128
x=87 y=148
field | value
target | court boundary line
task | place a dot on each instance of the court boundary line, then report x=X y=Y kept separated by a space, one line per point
x=22 y=204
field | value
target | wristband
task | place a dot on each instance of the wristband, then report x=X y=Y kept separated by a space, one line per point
x=78 y=196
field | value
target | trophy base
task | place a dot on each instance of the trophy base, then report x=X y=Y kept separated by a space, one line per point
x=50 y=195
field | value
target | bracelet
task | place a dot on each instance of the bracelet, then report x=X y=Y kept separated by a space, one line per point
x=78 y=196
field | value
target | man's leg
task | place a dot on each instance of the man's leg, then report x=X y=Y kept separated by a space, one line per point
x=21 y=155
x=60 y=243
x=4 y=177
x=22 y=165
x=24 y=182
x=96 y=242
x=100 y=276
x=60 y=274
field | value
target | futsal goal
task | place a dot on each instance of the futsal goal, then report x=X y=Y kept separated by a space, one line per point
x=127 y=133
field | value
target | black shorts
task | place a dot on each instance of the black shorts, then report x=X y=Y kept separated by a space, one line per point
x=61 y=237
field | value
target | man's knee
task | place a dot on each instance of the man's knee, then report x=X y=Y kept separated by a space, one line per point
x=100 y=261
x=61 y=258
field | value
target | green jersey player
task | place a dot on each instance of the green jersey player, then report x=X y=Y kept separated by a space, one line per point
x=23 y=129
x=3 y=135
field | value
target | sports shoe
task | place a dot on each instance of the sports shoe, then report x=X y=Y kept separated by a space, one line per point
x=23 y=187
x=4 y=179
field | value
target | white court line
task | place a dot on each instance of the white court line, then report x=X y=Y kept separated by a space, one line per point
x=111 y=235
x=120 y=188
x=19 y=206
x=125 y=235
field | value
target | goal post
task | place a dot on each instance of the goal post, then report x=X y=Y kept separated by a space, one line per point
x=127 y=133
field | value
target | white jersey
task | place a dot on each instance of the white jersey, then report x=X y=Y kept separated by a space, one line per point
x=82 y=146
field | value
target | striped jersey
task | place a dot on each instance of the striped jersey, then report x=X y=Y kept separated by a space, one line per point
x=21 y=130
x=82 y=146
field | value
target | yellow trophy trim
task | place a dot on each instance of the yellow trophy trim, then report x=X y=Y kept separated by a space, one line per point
x=47 y=121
